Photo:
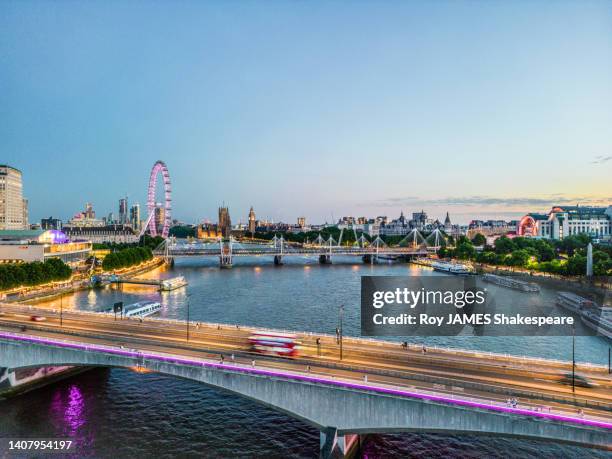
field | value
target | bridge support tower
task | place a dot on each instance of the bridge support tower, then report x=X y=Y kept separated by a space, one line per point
x=325 y=259
x=225 y=259
x=278 y=260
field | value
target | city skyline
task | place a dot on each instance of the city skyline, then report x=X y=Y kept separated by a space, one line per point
x=435 y=208
x=320 y=110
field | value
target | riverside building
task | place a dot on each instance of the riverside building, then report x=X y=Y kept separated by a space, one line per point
x=38 y=245
x=13 y=207
x=563 y=221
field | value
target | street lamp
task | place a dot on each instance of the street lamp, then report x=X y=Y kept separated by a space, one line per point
x=340 y=313
x=188 y=303
x=62 y=309
x=573 y=359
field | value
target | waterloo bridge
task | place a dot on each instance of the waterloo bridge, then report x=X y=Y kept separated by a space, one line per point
x=375 y=386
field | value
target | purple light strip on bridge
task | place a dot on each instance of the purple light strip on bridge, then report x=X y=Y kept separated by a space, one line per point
x=314 y=379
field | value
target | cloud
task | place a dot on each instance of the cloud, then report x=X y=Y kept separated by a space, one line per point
x=601 y=159
x=489 y=201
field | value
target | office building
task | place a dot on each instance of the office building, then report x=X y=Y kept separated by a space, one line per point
x=123 y=211
x=13 y=207
x=135 y=216
x=160 y=217
x=51 y=223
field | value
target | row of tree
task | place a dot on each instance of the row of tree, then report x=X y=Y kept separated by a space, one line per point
x=183 y=231
x=566 y=257
x=126 y=257
x=145 y=241
x=34 y=273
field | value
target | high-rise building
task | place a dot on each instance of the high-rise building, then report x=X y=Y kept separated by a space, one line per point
x=51 y=223
x=301 y=221
x=160 y=217
x=252 y=221
x=123 y=210
x=135 y=216
x=89 y=212
x=26 y=214
x=225 y=222
x=13 y=208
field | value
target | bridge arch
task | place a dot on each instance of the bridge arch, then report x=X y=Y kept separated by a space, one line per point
x=320 y=404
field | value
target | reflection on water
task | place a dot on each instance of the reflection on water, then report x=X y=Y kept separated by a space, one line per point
x=122 y=413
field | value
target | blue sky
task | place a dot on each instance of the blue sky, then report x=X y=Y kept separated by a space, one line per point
x=309 y=108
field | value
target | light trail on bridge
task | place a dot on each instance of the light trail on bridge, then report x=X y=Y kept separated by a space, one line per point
x=476 y=375
x=480 y=374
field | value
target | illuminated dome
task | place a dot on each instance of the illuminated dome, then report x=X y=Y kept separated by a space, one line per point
x=53 y=237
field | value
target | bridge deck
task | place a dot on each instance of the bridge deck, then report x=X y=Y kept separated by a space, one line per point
x=463 y=373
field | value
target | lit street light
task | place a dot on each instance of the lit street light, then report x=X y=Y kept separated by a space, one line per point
x=188 y=304
x=340 y=313
x=573 y=359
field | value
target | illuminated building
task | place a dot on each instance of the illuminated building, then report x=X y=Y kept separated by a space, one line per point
x=563 y=221
x=39 y=245
x=208 y=231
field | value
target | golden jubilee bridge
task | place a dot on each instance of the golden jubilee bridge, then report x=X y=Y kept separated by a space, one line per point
x=413 y=245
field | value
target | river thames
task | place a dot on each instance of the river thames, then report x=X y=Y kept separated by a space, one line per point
x=119 y=412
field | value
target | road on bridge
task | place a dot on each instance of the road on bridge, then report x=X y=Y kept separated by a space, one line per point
x=534 y=382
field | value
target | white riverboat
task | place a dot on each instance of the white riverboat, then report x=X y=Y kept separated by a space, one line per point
x=172 y=284
x=573 y=302
x=450 y=268
x=509 y=282
x=139 y=309
x=598 y=318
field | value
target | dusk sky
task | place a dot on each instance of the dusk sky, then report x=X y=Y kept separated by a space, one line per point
x=482 y=108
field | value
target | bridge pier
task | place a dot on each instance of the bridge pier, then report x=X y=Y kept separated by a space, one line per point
x=337 y=446
x=225 y=262
x=278 y=260
x=369 y=259
x=325 y=259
